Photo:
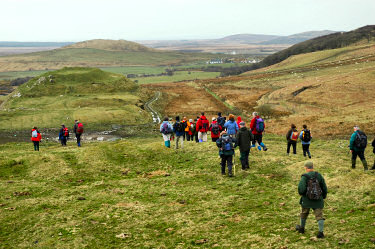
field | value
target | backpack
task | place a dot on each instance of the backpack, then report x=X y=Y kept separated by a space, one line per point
x=314 y=191
x=205 y=125
x=360 y=140
x=294 y=136
x=180 y=127
x=215 y=128
x=306 y=135
x=227 y=143
x=259 y=127
x=165 y=129
x=79 y=128
x=66 y=132
x=34 y=133
x=221 y=121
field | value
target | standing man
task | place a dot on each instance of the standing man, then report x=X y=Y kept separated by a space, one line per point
x=305 y=137
x=373 y=151
x=63 y=135
x=313 y=190
x=358 y=144
x=226 y=152
x=203 y=125
x=179 y=130
x=220 y=119
x=257 y=127
x=244 y=138
x=78 y=130
x=291 y=138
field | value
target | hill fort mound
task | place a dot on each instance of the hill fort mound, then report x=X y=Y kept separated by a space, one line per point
x=111 y=45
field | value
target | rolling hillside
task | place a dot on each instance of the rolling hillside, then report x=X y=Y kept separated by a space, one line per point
x=99 y=99
x=97 y=53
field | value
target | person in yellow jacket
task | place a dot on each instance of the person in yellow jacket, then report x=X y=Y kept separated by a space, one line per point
x=186 y=134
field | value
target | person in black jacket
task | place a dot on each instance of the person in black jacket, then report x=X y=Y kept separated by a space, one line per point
x=373 y=151
x=292 y=137
x=244 y=138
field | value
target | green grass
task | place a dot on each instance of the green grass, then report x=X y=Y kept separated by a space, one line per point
x=178 y=76
x=20 y=74
x=97 y=98
x=153 y=197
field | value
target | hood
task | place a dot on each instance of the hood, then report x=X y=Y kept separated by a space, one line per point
x=203 y=117
x=239 y=119
x=214 y=122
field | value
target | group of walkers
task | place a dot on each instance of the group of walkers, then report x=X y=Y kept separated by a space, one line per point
x=36 y=137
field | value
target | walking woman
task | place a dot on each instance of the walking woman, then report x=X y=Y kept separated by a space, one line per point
x=36 y=137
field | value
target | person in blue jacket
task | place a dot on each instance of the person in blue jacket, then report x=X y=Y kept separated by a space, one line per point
x=166 y=130
x=305 y=137
x=179 y=130
x=231 y=126
x=358 y=143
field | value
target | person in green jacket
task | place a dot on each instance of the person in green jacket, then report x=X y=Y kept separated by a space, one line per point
x=244 y=138
x=306 y=203
x=226 y=145
x=357 y=148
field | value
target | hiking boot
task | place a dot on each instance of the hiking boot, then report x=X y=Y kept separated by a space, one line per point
x=259 y=148
x=320 y=235
x=300 y=229
x=265 y=148
x=310 y=157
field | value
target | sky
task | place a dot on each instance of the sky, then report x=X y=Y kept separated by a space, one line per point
x=78 y=20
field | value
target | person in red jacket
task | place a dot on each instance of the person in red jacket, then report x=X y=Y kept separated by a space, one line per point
x=239 y=120
x=203 y=125
x=257 y=127
x=215 y=129
x=36 y=137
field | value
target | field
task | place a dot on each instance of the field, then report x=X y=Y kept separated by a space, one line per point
x=136 y=193
x=97 y=98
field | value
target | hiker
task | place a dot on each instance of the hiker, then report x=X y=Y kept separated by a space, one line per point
x=179 y=130
x=373 y=151
x=239 y=120
x=220 y=120
x=187 y=125
x=215 y=129
x=292 y=137
x=313 y=190
x=305 y=137
x=36 y=137
x=226 y=146
x=358 y=144
x=195 y=130
x=63 y=135
x=231 y=126
x=191 y=129
x=203 y=125
x=166 y=129
x=257 y=127
x=78 y=130
x=172 y=134
x=244 y=138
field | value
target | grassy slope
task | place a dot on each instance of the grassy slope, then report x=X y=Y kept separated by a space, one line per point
x=95 y=97
x=162 y=199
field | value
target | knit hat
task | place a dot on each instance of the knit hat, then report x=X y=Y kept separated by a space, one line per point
x=309 y=165
x=242 y=123
x=213 y=119
x=190 y=120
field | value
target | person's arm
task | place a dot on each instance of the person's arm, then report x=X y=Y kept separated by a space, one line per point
x=302 y=188
x=323 y=186
x=218 y=143
x=352 y=139
x=300 y=135
x=237 y=128
x=288 y=134
x=373 y=143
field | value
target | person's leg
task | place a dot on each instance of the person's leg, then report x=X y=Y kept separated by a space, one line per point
x=223 y=161
x=65 y=139
x=354 y=158
x=304 y=214
x=182 y=143
x=304 y=149
x=177 y=138
x=260 y=141
x=294 y=148
x=373 y=167
x=258 y=138
x=37 y=145
x=230 y=165
x=247 y=153
x=361 y=155
x=196 y=137
x=79 y=140
x=243 y=160
x=320 y=219
x=34 y=142
x=200 y=136
x=288 y=148
x=253 y=141
x=204 y=136
x=308 y=150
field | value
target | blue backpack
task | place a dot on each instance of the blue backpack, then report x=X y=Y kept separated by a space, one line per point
x=259 y=125
x=227 y=143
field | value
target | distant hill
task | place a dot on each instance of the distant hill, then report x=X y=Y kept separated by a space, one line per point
x=249 y=38
x=33 y=44
x=111 y=45
x=297 y=38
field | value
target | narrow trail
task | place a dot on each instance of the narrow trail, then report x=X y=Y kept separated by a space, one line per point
x=155 y=115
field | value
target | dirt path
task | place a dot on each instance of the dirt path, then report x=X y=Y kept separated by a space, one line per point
x=155 y=115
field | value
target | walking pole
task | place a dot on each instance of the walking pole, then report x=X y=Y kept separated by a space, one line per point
x=234 y=162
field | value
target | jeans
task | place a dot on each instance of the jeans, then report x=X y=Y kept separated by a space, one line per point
x=226 y=160
x=294 y=147
x=188 y=137
x=244 y=158
x=63 y=141
x=36 y=145
x=78 y=136
x=305 y=148
x=180 y=138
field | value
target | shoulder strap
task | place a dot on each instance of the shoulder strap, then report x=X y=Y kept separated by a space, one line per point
x=306 y=175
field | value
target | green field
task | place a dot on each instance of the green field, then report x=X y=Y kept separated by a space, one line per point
x=97 y=98
x=178 y=76
x=136 y=193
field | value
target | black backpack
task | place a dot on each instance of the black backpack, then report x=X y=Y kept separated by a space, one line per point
x=215 y=128
x=221 y=121
x=306 y=135
x=314 y=191
x=180 y=127
x=360 y=140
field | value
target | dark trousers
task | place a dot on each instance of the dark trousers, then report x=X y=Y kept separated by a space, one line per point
x=196 y=137
x=63 y=141
x=305 y=148
x=294 y=144
x=244 y=158
x=214 y=139
x=226 y=160
x=188 y=137
x=257 y=138
x=36 y=145
x=78 y=136
x=361 y=155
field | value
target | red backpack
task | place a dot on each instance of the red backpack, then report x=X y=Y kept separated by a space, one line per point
x=66 y=132
x=205 y=125
x=79 y=128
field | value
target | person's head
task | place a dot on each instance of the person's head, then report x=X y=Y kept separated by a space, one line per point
x=213 y=119
x=185 y=118
x=195 y=120
x=190 y=120
x=356 y=128
x=223 y=133
x=177 y=118
x=170 y=119
x=304 y=126
x=242 y=124
x=202 y=113
x=231 y=117
x=63 y=126
x=165 y=119
x=309 y=166
x=76 y=121
x=239 y=118
x=35 y=128
x=219 y=114
x=293 y=126
x=255 y=114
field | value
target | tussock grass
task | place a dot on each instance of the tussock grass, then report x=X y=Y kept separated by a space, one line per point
x=137 y=193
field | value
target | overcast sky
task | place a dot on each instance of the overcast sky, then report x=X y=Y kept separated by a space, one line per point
x=77 y=20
